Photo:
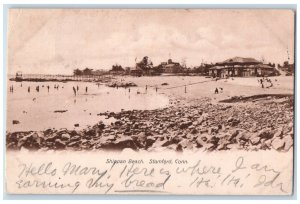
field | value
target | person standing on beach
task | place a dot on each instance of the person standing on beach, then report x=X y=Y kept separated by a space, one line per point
x=216 y=91
x=37 y=88
x=86 y=89
x=77 y=88
x=48 y=87
x=28 y=89
x=74 y=90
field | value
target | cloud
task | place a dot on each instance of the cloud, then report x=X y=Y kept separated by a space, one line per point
x=57 y=41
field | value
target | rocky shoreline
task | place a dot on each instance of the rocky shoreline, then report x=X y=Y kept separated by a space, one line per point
x=249 y=124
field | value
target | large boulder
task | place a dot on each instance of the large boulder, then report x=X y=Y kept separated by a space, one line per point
x=278 y=144
x=59 y=144
x=254 y=139
x=32 y=141
x=120 y=144
x=288 y=140
x=266 y=133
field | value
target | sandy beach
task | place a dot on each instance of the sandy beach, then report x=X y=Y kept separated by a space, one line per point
x=167 y=112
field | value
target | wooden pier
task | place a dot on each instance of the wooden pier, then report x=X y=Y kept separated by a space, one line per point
x=48 y=77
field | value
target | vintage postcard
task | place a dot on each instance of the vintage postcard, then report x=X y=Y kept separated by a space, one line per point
x=150 y=101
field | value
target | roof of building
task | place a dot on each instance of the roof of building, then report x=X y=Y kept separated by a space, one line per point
x=217 y=67
x=263 y=66
x=239 y=60
x=172 y=65
x=136 y=68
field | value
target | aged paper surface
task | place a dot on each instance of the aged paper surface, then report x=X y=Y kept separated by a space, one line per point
x=147 y=101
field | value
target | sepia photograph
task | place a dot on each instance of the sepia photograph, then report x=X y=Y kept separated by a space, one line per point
x=150 y=101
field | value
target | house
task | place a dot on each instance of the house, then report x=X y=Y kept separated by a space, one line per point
x=136 y=71
x=240 y=67
x=171 y=67
x=145 y=67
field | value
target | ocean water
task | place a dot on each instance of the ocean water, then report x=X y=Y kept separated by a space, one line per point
x=35 y=110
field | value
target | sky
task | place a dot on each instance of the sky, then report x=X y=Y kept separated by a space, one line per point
x=57 y=41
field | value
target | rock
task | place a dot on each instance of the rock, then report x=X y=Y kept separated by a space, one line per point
x=234 y=135
x=200 y=120
x=278 y=133
x=59 y=144
x=149 y=142
x=254 y=140
x=15 y=122
x=179 y=148
x=212 y=130
x=222 y=146
x=75 y=138
x=210 y=147
x=203 y=140
x=76 y=125
x=90 y=133
x=65 y=136
x=74 y=144
x=31 y=141
x=233 y=146
x=99 y=125
x=184 y=143
x=140 y=139
x=278 y=143
x=194 y=131
x=185 y=125
x=118 y=123
x=265 y=133
x=164 y=84
x=288 y=140
x=48 y=132
x=224 y=135
x=159 y=143
x=235 y=122
x=230 y=119
x=175 y=140
x=268 y=143
x=120 y=143
x=60 y=111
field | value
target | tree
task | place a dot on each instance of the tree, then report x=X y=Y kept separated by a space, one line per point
x=145 y=64
x=117 y=68
x=77 y=72
x=87 y=71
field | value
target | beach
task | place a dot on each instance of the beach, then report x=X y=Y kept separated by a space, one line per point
x=164 y=112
